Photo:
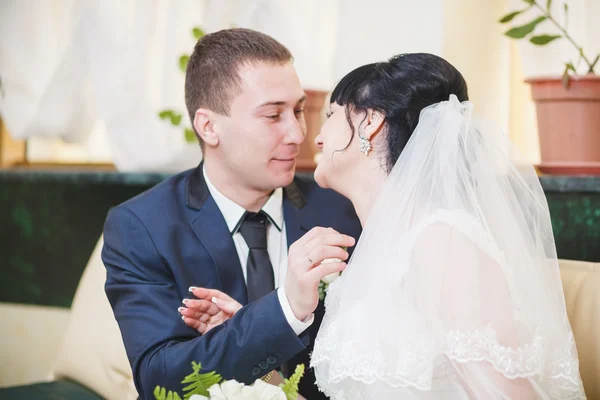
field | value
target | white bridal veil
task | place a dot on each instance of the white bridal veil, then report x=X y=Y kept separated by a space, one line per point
x=453 y=291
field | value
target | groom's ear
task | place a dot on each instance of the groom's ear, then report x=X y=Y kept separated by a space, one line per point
x=204 y=122
x=373 y=123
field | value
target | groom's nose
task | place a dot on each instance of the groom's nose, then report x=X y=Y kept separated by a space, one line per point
x=295 y=132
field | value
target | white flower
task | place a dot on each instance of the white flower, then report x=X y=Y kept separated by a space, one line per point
x=233 y=390
x=262 y=390
x=334 y=275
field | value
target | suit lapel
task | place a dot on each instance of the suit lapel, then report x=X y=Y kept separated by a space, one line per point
x=210 y=227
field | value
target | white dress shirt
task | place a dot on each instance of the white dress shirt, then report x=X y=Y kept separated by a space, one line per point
x=276 y=244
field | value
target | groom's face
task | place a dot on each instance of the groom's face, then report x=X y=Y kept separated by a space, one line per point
x=260 y=138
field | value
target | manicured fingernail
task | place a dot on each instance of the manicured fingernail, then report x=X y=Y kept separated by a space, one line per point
x=192 y=288
x=215 y=300
x=180 y=309
x=183 y=318
x=184 y=301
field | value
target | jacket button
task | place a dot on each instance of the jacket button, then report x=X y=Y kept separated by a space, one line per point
x=264 y=365
x=256 y=371
x=272 y=360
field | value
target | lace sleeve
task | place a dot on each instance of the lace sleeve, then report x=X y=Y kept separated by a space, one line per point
x=460 y=283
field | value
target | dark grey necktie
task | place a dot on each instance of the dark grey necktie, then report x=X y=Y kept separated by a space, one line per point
x=260 y=279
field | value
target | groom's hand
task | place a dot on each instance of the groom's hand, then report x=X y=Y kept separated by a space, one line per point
x=305 y=270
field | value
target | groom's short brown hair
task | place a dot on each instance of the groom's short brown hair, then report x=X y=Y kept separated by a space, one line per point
x=212 y=78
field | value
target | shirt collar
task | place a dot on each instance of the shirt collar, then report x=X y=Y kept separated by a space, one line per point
x=233 y=212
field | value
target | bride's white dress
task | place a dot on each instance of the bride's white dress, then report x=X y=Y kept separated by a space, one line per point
x=453 y=291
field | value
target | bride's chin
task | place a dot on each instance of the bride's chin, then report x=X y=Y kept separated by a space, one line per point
x=321 y=182
x=320 y=179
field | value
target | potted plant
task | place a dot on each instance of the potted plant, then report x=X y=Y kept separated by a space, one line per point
x=567 y=106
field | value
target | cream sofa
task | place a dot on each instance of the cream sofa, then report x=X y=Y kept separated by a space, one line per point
x=92 y=353
x=581 y=284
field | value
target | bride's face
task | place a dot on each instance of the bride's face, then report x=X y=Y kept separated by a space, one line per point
x=338 y=159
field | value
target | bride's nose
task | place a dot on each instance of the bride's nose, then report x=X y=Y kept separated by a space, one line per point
x=319 y=141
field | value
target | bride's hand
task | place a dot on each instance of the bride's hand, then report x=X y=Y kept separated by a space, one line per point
x=211 y=309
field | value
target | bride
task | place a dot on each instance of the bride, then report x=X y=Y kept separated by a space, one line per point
x=453 y=290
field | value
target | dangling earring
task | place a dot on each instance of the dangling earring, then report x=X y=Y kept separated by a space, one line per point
x=364 y=145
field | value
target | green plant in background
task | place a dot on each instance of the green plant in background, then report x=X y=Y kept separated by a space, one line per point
x=173 y=116
x=544 y=13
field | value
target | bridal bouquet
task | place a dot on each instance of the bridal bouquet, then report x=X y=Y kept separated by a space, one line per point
x=211 y=386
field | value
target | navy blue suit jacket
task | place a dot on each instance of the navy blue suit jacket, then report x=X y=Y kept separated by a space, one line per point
x=173 y=236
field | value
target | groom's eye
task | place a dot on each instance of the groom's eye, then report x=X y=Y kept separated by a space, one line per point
x=273 y=117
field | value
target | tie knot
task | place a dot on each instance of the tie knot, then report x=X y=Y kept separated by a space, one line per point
x=254 y=229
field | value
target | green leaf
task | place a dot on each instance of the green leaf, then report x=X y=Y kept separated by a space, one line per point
x=548 y=4
x=531 y=2
x=521 y=31
x=173 y=116
x=176 y=119
x=509 y=17
x=290 y=386
x=189 y=134
x=164 y=114
x=160 y=393
x=198 y=33
x=183 y=60
x=199 y=383
x=591 y=69
x=566 y=79
x=322 y=289
x=543 y=39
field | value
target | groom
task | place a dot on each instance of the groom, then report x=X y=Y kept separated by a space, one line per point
x=228 y=225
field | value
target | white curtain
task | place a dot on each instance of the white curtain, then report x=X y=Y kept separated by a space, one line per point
x=96 y=72
x=73 y=68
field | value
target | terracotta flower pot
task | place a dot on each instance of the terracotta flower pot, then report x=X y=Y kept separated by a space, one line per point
x=313 y=113
x=568 y=124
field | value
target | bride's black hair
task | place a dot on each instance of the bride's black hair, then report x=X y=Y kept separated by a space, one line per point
x=399 y=89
